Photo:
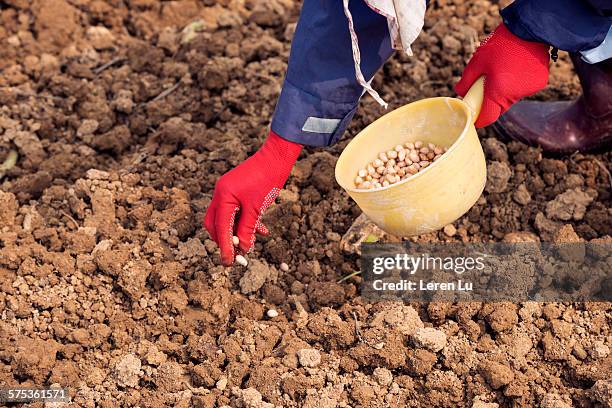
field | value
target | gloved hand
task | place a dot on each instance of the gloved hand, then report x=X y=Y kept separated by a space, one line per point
x=249 y=189
x=513 y=68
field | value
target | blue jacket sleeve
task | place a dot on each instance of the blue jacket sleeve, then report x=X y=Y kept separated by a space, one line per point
x=570 y=25
x=320 y=92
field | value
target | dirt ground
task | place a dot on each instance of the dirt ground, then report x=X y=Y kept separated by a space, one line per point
x=109 y=286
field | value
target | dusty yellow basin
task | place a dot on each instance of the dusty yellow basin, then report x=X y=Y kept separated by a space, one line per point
x=440 y=193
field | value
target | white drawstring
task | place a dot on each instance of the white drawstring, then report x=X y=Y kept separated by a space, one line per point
x=357 y=59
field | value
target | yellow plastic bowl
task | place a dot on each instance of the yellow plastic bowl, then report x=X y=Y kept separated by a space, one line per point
x=437 y=195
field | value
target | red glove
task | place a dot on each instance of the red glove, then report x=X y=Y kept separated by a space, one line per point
x=513 y=68
x=249 y=188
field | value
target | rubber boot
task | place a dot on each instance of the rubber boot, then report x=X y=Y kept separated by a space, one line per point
x=566 y=127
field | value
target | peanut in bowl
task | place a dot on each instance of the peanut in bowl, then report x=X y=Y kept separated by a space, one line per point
x=437 y=194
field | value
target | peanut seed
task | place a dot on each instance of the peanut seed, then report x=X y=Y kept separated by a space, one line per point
x=284 y=267
x=241 y=260
x=235 y=240
x=401 y=156
x=398 y=164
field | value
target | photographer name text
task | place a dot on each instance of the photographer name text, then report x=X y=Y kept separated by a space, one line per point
x=422 y=285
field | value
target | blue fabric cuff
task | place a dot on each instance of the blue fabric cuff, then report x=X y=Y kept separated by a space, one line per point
x=304 y=118
x=600 y=53
x=569 y=25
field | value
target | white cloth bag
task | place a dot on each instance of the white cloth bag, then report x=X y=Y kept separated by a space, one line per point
x=405 y=19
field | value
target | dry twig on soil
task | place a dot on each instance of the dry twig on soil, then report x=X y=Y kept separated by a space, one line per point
x=65 y=214
x=167 y=91
x=109 y=64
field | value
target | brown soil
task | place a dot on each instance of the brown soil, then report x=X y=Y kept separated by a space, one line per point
x=109 y=286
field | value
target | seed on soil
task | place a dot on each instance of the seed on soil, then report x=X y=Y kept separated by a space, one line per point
x=284 y=267
x=398 y=164
x=235 y=240
x=241 y=260
x=272 y=313
x=9 y=163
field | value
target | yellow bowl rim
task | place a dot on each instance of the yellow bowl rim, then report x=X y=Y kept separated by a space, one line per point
x=468 y=123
